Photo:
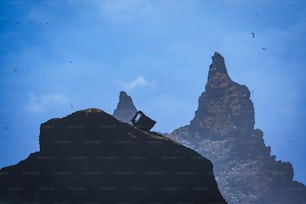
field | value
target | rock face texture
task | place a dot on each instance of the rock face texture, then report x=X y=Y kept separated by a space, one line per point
x=223 y=131
x=225 y=107
x=125 y=109
x=91 y=157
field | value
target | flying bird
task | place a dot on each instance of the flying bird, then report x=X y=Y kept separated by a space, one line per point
x=6 y=127
x=265 y=49
x=253 y=34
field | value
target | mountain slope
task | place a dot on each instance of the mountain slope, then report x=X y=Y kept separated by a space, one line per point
x=91 y=157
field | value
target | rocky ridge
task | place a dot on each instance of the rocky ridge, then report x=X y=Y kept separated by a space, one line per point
x=91 y=157
x=223 y=131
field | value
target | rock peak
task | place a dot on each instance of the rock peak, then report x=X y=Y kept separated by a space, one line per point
x=223 y=130
x=217 y=66
x=225 y=107
x=125 y=109
x=123 y=94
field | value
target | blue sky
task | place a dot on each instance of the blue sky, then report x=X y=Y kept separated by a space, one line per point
x=57 y=57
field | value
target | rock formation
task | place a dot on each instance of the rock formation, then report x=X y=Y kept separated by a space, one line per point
x=125 y=109
x=91 y=157
x=223 y=131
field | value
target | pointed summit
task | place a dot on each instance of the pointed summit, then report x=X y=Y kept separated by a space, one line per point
x=125 y=109
x=217 y=66
x=223 y=130
x=225 y=106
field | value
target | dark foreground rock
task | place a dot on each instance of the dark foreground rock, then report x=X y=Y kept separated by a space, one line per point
x=223 y=131
x=90 y=157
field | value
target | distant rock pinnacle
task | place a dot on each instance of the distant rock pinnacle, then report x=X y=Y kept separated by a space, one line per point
x=125 y=109
x=223 y=131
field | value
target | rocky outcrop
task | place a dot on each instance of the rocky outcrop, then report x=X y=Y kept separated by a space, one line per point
x=125 y=109
x=91 y=157
x=225 y=107
x=223 y=131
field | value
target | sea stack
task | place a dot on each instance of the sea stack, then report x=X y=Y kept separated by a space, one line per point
x=223 y=131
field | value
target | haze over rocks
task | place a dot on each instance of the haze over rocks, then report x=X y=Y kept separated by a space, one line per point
x=125 y=109
x=223 y=131
x=90 y=156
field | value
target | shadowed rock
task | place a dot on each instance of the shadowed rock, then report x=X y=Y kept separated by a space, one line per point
x=91 y=157
x=142 y=121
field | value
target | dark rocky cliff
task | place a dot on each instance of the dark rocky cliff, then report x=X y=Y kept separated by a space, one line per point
x=223 y=131
x=91 y=157
x=125 y=109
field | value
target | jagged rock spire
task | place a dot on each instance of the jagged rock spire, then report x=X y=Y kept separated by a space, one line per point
x=125 y=109
x=223 y=130
x=225 y=106
x=217 y=66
